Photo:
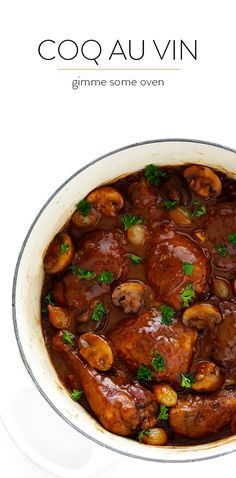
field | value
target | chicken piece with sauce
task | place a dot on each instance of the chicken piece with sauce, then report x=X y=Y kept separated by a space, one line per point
x=136 y=342
x=121 y=405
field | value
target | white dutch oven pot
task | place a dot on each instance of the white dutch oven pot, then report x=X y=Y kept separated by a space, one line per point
x=29 y=278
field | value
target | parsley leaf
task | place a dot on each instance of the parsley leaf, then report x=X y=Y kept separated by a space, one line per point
x=74 y=269
x=154 y=175
x=188 y=268
x=201 y=211
x=167 y=313
x=130 y=221
x=187 y=294
x=76 y=394
x=105 y=277
x=68 y=337
x=143 y=433
x=144 y=373
x=232 y=238
x=86 y=274
x=98 y=311
x=47 y=301
x=187 y=380
x=82 y=273
x=84 y=207
x=134 y=259
x=63 y=249
x=222 y=249
x=169 y=205
x=158 y=362
x=164 y=412
x=197 y=209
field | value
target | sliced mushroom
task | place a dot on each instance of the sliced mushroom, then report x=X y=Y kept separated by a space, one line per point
x=165 y=394
x=59 y=317
x=129 y=296
x=96 y=351
x=154 y=436
x=201 y=315
x=180 y=216
x=233 y=425
x=107 y=200
x=207 y=377
x=85 y=221
x=137 y=234
x=59 y=254
x=203 y=181
x=221 y=288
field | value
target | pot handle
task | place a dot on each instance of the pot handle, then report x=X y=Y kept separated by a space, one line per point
x=99 y=459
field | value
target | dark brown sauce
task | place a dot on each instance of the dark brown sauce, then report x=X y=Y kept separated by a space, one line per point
x=155 y=215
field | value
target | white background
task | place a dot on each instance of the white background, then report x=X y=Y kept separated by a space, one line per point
x=49 y=131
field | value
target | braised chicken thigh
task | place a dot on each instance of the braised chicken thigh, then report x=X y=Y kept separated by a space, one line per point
x=136 y=341
x=164 y=266
x=121 y=405
x=197 y=416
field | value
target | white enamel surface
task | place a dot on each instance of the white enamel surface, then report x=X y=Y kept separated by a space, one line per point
x=30 y=276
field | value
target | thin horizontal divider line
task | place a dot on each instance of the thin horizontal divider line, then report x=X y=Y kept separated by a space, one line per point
x=120 y=69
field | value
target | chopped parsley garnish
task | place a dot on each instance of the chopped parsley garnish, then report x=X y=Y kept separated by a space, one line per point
x=158 y=362
x=84 y=207
x=76 y=394
x=68 y=337
x=134 y=259
x=86 y=274
x=169 y=205
x=187 y=294
x=188 y=268
x=201 y=211
x=144 y=373
x=164 y=412
x=74 y=269
x=130 y=221
x=197 y=209
x=82 y=273
x=232 y=238
x=98 y=312
x=167 y=313
x=187 y=380
x=105 y=277
x=143 y=433
x=47 y=301
x=154 y=175
x=63 y=249
x=222 y=249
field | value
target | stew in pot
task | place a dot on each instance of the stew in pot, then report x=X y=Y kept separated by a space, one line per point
x=139 y=305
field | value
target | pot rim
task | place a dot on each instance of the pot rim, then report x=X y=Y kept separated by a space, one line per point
x=14 y=286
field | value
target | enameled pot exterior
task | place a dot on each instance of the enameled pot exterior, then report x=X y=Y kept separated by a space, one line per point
x=29 y=277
